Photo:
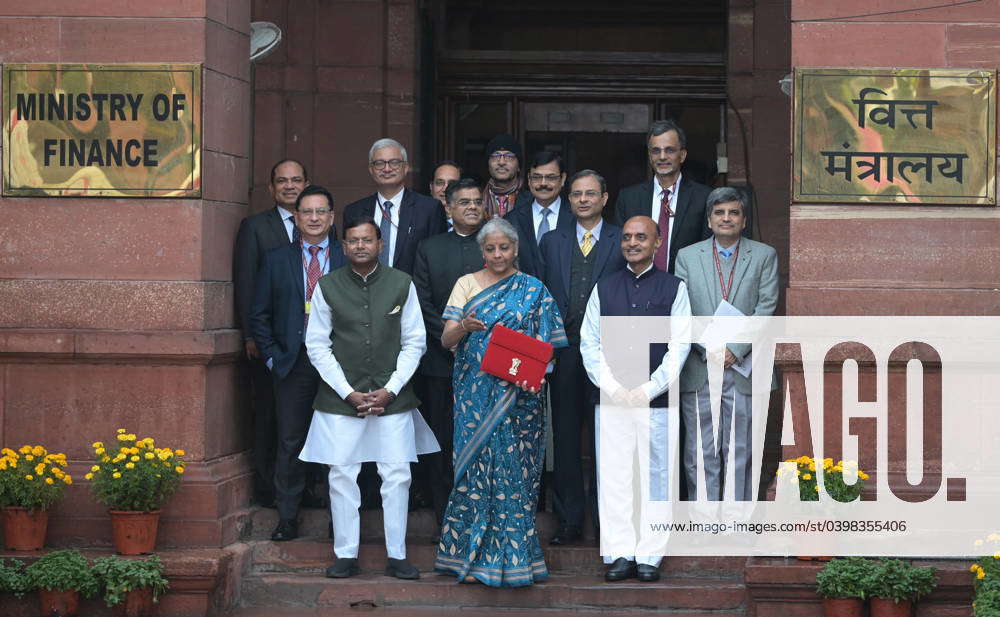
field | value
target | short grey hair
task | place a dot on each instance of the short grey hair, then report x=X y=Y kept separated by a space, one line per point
x=387 y=142
x=724 y=195
x=497 y=226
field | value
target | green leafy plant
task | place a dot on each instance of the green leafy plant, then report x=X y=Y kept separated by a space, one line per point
x=62 y=571
x=12 y=578
x=848 y=577
x=135 y=474
x=833 y=479
x=32 y=478
x=986 y=579
x=899 y=581
x=119 y=576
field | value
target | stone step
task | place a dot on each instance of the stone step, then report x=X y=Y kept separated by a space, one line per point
x=497 y=611
x=313 y=555
x=565 y=591
x=420 y=525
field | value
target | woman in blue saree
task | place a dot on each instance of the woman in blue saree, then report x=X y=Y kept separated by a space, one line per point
x=488 y=534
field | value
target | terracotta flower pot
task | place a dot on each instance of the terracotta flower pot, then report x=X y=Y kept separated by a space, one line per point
x=23 y=529
x=883 y=607
x=843 y=607
x=134 y=532
x=58 y=603
x=138 y=603
x=813 y=558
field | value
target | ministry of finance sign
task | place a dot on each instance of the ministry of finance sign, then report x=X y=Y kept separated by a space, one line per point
x=101 y=130
x=922 y=136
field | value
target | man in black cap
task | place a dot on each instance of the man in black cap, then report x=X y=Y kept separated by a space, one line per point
x=505 y=185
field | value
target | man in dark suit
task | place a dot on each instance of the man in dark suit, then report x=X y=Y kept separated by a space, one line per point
x=442 y=260
x=540 y=211
x=675 y=203
x=285 y=283
x=404 y=217
x=575 y=258
x=258 y=234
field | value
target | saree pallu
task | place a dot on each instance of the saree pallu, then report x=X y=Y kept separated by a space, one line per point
x=489 y=525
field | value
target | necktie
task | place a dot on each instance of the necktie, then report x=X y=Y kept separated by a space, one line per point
x=543 y=227
x=588 y=243
x=313 y=272
x=386 y=228
x=661 y=258
x=295 y=230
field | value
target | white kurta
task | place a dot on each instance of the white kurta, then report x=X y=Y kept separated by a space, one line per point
x=336 y=439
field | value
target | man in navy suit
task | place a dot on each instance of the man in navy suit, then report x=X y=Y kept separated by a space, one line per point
x=403 y=217
x=575 y=257
x=541 y=211
x=287 y=278
x=675 y=203
x=258 y=234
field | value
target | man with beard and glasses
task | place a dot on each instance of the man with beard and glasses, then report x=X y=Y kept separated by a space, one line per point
x=506 y=187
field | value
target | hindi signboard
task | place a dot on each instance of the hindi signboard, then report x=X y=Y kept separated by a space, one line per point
x=102 y=130
x=922 y=136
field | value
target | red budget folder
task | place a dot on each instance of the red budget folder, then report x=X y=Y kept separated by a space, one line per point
x=513 y=356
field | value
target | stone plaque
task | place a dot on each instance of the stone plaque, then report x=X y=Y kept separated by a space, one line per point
x=102 y=130
x=922 y=136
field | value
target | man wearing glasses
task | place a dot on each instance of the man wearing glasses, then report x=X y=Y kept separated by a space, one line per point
x=675 y=203
x=278 y=319
x=403 y=217
x=545 y=212
x=505 y=189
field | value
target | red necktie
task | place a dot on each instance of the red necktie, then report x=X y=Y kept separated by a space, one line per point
x=661 y=257
x=313 y=272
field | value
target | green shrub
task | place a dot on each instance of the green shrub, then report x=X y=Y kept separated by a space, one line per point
x=848 y=577
x=119 y=576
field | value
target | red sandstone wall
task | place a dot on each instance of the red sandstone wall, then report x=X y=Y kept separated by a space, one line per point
x=344 y=76
x=118 y=312
x=942 y=260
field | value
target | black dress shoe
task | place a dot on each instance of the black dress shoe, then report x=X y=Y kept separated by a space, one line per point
x=287 y=529
x=342 y=568
x=566 y=535
x=647 y=573
x=401 y=568
x=620 y=570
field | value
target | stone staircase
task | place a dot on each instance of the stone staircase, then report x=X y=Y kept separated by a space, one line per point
x=286 y=578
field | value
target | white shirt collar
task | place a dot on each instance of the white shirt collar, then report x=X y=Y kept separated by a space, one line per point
x=395 y=199
x=658 y=190
x=629 y=266
x=595 y=232
x=553 y=207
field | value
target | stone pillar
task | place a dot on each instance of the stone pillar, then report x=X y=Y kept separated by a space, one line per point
x=118 y=312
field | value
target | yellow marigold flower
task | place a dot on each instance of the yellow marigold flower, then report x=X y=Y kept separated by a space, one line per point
x=3 y=464
x=179 y=452
x=837 y=468
x=49 y=481
x=8 y=452
x=105 y=459
x=130 y=437
x=996 y=555
x=121 y=431
x=981 y=574
x=40 y=468
x=29 y=477
x=38 y=451
x=149 y=455
x=95 y=468
x=973 y=567
x=166 y=464
x=97 y=444
x=179 y=469
x=89 y=476
x=100 y=452
x=827 y=463
x=812 y=466
x=24 y=449
x=29 y=457
x=807 y=476
x=13 y=464
x=68 y=479
x=121 y=437
x=130 y=465
x=134 y=459
x=168 y=451
x=816 y=488
x=862 y=475
x=157 y=475
x=116 y=474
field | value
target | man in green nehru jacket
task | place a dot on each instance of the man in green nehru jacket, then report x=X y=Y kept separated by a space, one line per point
x=365 y=336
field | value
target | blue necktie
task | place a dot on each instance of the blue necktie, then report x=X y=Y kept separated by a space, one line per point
x=543 y=227
x=386 y=228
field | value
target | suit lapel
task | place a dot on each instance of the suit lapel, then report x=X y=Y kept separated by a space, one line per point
x=295 y=264
x=711 y=277
x=683 y=206
x=647 y=200
x=405 y=223
x=528 y=223
x=277 y=226
x=565 y=253
x=742 y=265
x=605 y=247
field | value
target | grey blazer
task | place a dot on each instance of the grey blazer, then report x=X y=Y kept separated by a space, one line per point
x=754 y=292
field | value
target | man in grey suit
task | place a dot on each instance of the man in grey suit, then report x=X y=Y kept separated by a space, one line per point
x=744 y=273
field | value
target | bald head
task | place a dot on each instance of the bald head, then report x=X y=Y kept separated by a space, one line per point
x=640 y=239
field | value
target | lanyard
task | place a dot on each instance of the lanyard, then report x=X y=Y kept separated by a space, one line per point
x=718 y=270
x=387 y=215
x=325 y=260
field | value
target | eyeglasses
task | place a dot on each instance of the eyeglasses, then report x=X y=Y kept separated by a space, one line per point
x=587 y=194
x=393 y=163
x=316 y=211
x=357 y=241
x=503 y=156
x=443 y=182
x=469 y=202
x=295 y=180
x=546 y=177
x=669 y=150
